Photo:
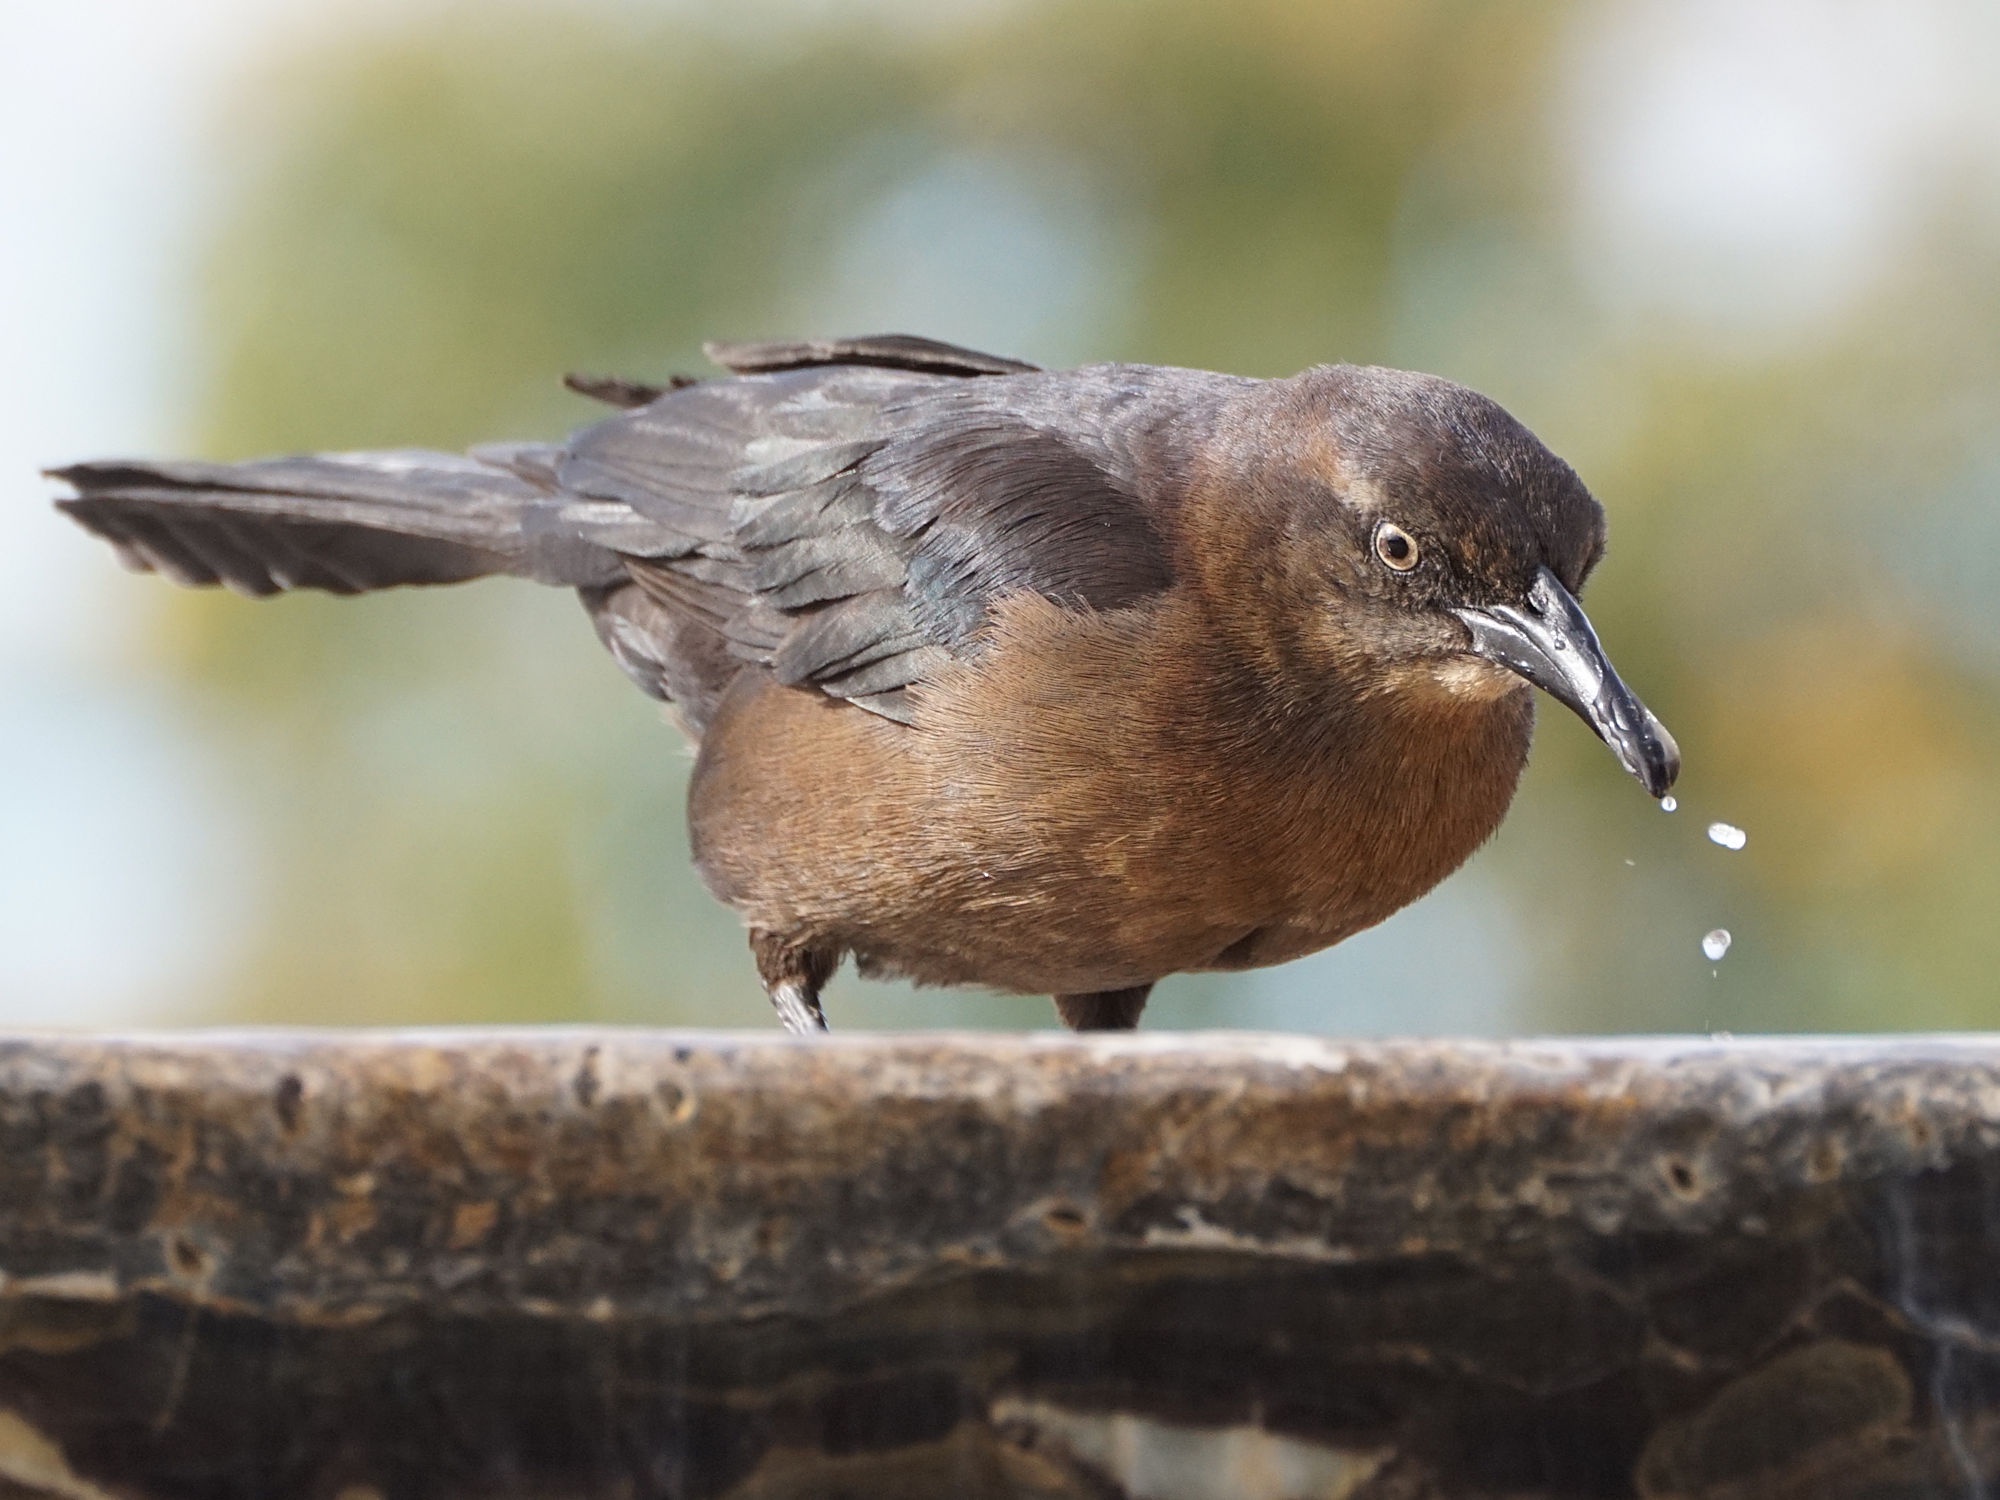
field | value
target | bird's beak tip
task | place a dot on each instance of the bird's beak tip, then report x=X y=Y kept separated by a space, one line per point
x=1659 y=758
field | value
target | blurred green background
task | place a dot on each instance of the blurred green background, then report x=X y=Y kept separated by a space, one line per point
x=1736 y=263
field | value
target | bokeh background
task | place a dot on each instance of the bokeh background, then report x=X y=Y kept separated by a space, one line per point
x=1738 y=260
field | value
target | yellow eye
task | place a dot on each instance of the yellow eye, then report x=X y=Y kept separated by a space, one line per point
x=1396 y=547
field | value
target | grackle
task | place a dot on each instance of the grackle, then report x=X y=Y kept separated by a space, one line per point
x=1050 y=681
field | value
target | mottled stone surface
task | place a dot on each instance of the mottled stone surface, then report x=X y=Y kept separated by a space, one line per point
x=568 y=1264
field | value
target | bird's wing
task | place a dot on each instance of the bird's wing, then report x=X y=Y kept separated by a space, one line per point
x=849 y=525
x=845 y=515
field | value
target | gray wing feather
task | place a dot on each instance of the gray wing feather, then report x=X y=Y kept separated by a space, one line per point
x=899 y=351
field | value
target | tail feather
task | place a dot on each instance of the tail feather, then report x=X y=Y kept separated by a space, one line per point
x=344 y=523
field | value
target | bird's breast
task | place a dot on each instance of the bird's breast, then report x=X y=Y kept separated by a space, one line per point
x=1077 y=809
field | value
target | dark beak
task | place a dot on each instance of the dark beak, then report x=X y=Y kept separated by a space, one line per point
x=1552 y=645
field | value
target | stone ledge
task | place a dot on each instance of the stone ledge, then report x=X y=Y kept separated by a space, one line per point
x=628 y=1263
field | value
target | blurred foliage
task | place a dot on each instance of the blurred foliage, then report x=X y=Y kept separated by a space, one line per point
x=471 y=816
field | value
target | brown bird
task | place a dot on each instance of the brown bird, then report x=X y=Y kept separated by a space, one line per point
x=1050 y=681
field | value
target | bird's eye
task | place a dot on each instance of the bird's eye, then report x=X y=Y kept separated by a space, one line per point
x=1395 y=546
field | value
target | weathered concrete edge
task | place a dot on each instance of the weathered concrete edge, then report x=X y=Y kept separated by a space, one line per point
x=331 y=1176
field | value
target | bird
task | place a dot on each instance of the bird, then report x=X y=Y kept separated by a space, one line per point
x=1045 y=681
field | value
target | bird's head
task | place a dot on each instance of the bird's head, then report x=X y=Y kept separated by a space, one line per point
x=1448 y=545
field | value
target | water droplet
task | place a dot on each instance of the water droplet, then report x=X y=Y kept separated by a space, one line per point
x=1728 y=835
x=1715 y=945
x=1559 y=643
x=1669 y=804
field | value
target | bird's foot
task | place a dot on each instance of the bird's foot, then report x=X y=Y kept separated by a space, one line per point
x=793 y=971
x=798 y=1008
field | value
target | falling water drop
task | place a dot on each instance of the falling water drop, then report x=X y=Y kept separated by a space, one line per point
x=1728 y=835
x=1715 y=944
x=1669 y=804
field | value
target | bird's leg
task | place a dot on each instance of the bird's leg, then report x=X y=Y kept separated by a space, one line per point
x=793 y=972
x=1107 y=1010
